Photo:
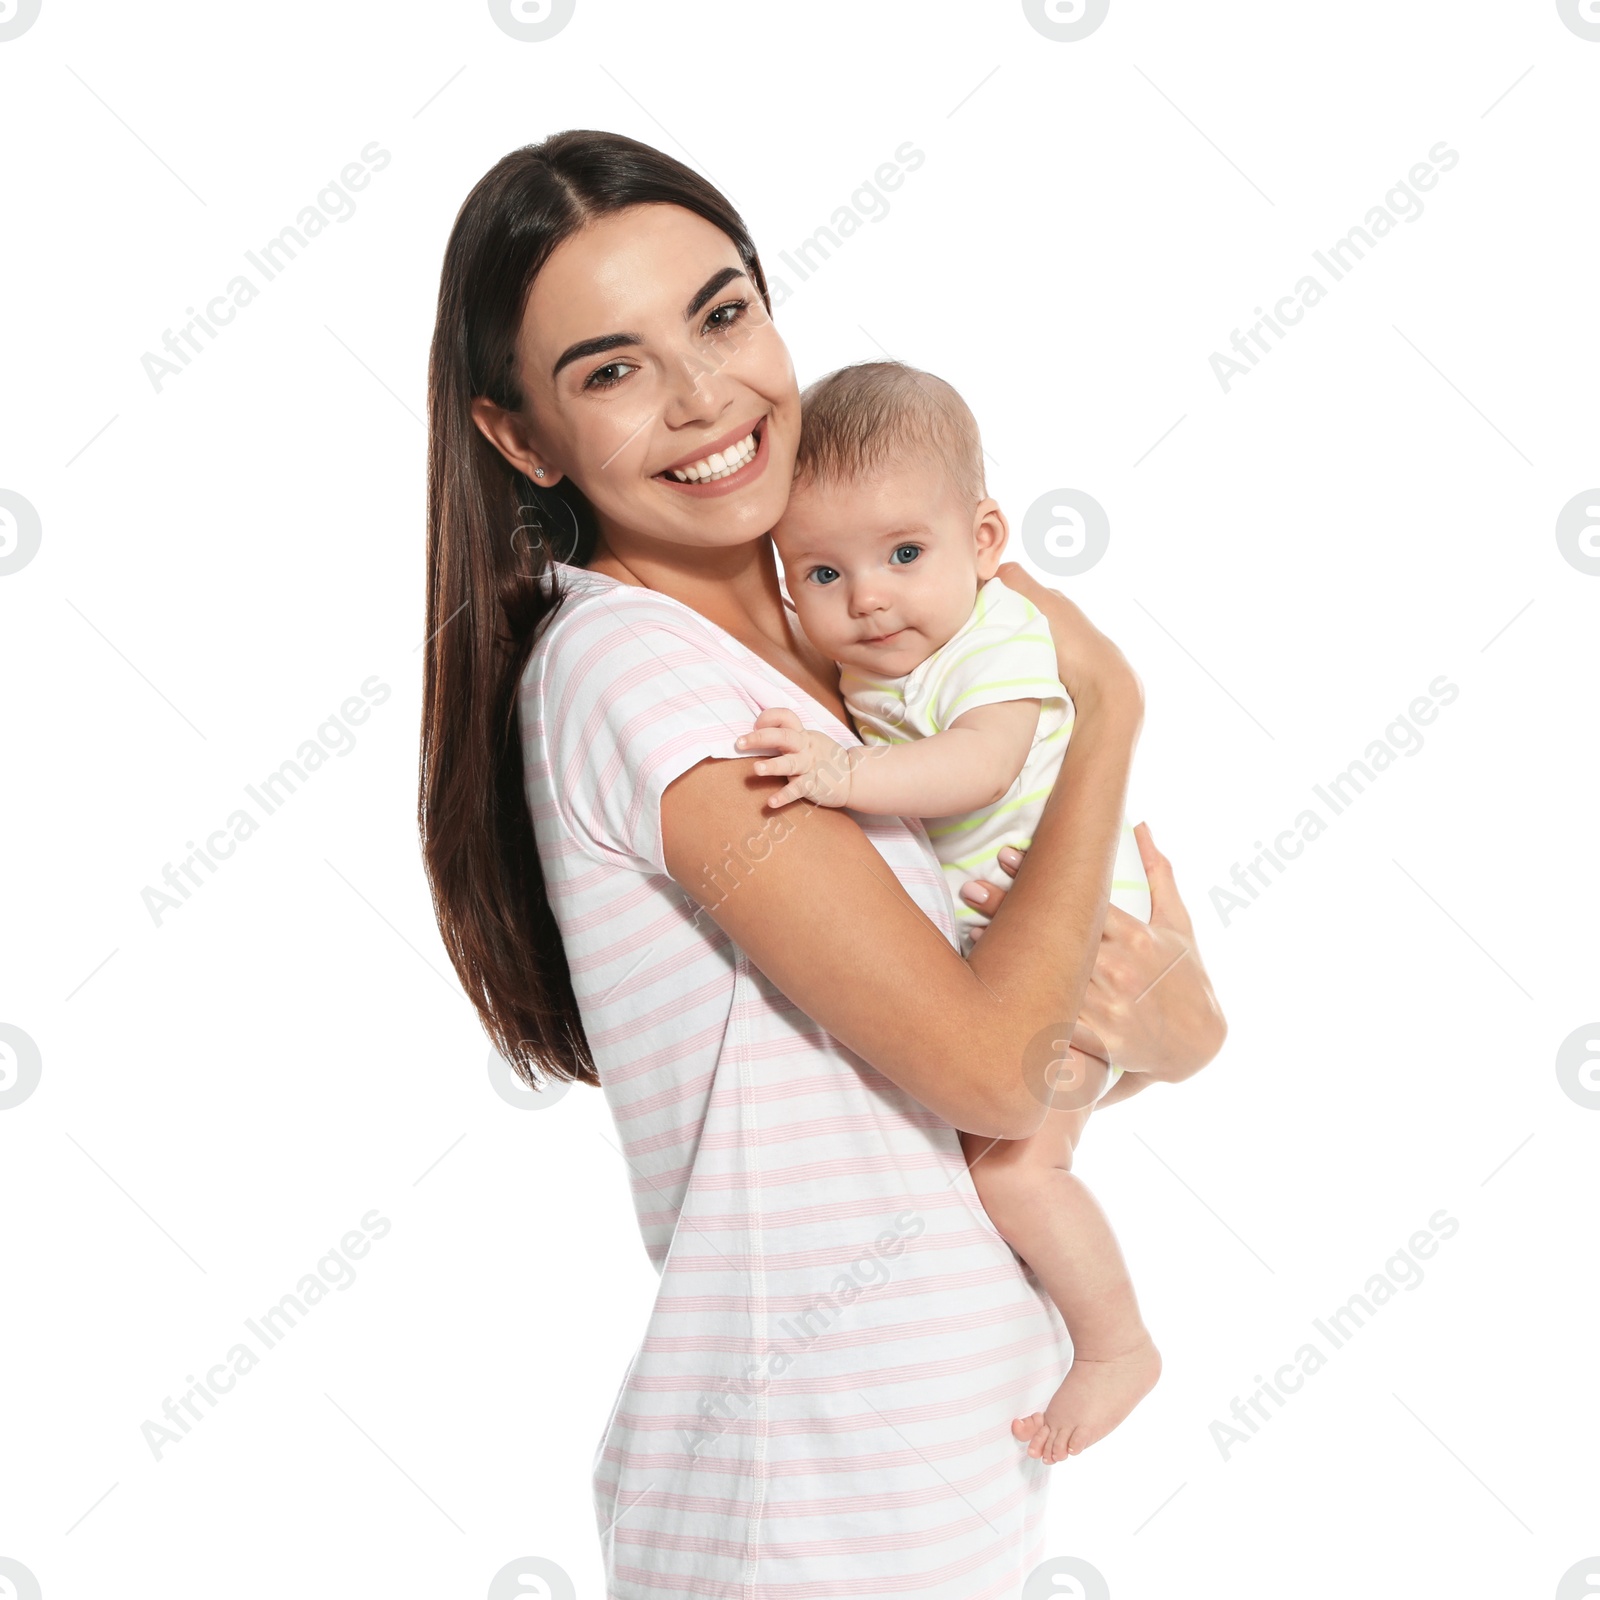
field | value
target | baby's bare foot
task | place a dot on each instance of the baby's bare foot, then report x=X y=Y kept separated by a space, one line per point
x=1093 y=1398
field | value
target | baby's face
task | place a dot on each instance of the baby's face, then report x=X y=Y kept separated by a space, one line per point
x=884 y=570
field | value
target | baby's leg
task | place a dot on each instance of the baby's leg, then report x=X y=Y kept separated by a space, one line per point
x=1047 y=1215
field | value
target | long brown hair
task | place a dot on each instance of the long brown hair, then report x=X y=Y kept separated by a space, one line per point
x=492 y=536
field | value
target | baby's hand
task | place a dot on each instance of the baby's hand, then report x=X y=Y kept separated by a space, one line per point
x=818 y=767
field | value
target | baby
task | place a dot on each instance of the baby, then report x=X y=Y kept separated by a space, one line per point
x=890 y=547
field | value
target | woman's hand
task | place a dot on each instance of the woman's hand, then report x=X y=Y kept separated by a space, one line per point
x=1091 y=667
x=1149 y=1006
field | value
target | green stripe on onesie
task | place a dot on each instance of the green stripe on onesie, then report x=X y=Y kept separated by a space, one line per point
x=1003 y=651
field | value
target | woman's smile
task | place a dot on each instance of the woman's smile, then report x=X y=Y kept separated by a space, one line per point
x=730 y=462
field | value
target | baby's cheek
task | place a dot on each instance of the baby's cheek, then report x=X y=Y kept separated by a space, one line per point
x=819 y=624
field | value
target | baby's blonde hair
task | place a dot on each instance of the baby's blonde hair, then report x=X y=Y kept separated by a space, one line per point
x=860 y=418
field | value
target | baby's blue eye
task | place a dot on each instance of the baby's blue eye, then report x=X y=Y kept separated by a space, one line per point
x=915 y=549
x=816 y=574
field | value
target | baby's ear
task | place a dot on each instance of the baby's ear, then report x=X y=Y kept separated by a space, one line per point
x=990 y=531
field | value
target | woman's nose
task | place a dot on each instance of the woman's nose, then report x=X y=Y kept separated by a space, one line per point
x=695 y=386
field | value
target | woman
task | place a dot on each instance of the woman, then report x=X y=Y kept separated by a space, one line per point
x=773 y=1003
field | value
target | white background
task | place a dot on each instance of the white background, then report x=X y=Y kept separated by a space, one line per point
x=223 y=1096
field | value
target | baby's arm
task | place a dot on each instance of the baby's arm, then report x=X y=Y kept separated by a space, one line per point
x=1129 y=1083
x=969 y=765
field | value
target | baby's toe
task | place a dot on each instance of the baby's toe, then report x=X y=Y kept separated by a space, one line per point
x=1082 y=1437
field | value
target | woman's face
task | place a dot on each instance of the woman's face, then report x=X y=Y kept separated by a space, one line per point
x=655 y=380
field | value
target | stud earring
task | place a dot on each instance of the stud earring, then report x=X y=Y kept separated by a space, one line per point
x=538 y=472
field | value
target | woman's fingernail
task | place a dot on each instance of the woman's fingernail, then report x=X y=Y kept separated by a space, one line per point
x=1010 y=857
x=975 y=892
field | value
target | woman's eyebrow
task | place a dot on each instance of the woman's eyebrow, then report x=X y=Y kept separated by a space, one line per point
x=593 y=347
x=710 y=287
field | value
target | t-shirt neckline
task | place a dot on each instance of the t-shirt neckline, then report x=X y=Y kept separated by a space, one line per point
x=772 y=673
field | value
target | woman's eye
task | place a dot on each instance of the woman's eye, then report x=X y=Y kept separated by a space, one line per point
x=608 y=376
x=725 y=315
x=915 y=549
x=823 y=575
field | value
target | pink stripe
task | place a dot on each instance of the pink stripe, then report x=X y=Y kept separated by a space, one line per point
x=869 y=1378
x=839 y=1253
x=844 y=1339
x=934 y=1283
x=1010 y=1395
x=872 y=1205
x=823 y=1505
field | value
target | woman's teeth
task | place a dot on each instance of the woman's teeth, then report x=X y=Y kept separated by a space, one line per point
x=719 y=464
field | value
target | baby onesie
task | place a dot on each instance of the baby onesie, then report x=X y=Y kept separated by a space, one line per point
x=1003 y=651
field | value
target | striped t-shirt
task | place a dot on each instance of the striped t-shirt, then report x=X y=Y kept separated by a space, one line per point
x=822 y=1400
x=1003 y=651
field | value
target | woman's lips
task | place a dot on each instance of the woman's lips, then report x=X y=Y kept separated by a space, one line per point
x=715 y=446
x=748 y=473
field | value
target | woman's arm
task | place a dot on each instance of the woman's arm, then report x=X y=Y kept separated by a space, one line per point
x=816 y=909
x=1149 y=1006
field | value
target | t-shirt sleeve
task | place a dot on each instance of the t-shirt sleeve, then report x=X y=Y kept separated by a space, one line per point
x=628 y=695
x=1008 y=656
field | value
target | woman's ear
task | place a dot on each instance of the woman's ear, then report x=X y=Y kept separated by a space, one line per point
x=506 y=431
x=990 y=530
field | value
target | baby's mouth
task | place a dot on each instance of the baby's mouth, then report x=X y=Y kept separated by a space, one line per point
x=718 y=464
